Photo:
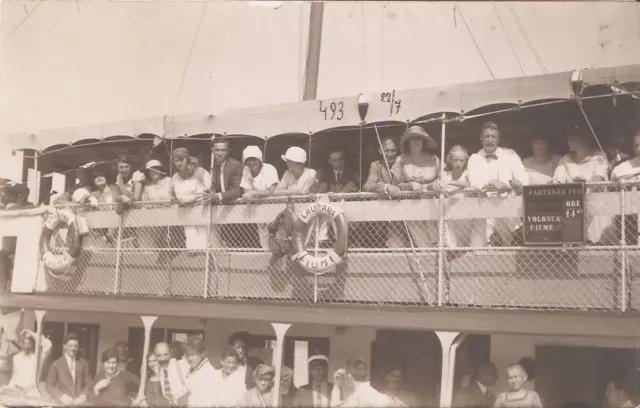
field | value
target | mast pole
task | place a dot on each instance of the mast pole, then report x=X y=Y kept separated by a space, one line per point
x=313 y=51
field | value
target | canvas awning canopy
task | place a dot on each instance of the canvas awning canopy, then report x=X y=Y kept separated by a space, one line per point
x=312 y=117
x=625 y=78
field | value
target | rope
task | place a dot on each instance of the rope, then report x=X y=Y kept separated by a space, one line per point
x=508 y=38
x=593 y=132
x=406 y=227
x=475 y=43
x=193 y=44
x=526 y=37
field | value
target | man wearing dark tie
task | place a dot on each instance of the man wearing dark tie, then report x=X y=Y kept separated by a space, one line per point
x=226 y=174
x=339 y=177
x=69 y=379
x=478 y=393
x=226 y=177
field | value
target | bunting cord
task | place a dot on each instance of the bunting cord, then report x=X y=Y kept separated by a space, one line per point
x=473 y=39
x=508 y=38
x=593 y=132
x=528 y=40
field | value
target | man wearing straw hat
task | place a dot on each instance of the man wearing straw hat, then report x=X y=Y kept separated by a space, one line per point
x=317 y=393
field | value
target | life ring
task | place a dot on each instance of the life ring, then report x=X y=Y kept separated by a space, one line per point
x=60 y=262
x=319 y=264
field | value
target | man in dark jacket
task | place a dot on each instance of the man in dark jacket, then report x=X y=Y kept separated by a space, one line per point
x=226 y=174
x=478 y=393
x=69 y=380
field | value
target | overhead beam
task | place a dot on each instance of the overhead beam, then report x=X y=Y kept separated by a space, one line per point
x=444 y=319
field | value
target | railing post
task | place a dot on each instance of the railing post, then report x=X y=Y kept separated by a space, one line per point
x=116 y=284
x=449 y=342
x=208 y=254
x=148 y=323
x=442 y=295
x=208 y=251
x=281 y=330
x=623 y=253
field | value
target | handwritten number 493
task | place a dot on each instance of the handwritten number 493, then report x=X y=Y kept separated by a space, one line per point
x=332 y=111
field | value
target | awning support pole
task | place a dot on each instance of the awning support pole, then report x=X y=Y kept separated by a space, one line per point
x=442 y=296
x=39 y=319
x=281 y=330
x=148 y=323
x=313 y=51
x=450 y=342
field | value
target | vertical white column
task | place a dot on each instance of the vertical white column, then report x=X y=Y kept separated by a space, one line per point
x=281 y=330
x=449 y=342
x=39 y=319
x=148 y=324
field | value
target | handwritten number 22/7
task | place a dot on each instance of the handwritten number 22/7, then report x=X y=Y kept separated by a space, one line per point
x=332 y=111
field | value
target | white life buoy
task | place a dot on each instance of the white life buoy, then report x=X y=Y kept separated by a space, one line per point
x=59 y=262
x=319 y=264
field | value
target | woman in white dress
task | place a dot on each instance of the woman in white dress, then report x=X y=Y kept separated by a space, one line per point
x=628 y=172
x=541 y=165
x=158 y=187
x=190 y=183
x=583 y=164
x=418 y=169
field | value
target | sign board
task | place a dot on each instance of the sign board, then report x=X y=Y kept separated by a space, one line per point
x=554 y=214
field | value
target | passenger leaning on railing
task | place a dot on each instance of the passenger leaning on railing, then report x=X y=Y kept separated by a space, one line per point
x=542 y=163
x=456 y=177
x=339 y=177
x=157 y=186
x=259 y=180
x=418 y=168
x=190 y=184
x=298 y=179
x=629 y=172
x=128 y=182
x=585 y=163
x=382 y=181
x=496 y=170
x=226 y=176
x=104 y=193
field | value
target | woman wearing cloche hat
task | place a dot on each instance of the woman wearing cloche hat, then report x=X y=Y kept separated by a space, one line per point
x=298 y=179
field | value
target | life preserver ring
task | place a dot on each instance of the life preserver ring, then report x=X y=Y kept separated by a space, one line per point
x=319 y=264
x=59 y=263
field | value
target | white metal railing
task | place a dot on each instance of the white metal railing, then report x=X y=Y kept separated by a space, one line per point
x=152 y=253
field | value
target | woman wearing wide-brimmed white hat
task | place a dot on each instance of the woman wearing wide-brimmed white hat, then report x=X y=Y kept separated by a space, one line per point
x=298 y=179
x=418 y=168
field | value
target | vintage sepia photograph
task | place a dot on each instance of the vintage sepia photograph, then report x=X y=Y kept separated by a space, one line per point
x=307 y=204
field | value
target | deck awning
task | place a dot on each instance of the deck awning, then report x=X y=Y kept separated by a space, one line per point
x=626 y=78
x=462 y=99
x=311 y=117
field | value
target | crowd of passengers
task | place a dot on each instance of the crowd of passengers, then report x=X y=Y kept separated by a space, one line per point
x=408 y=165
x=181 y=374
